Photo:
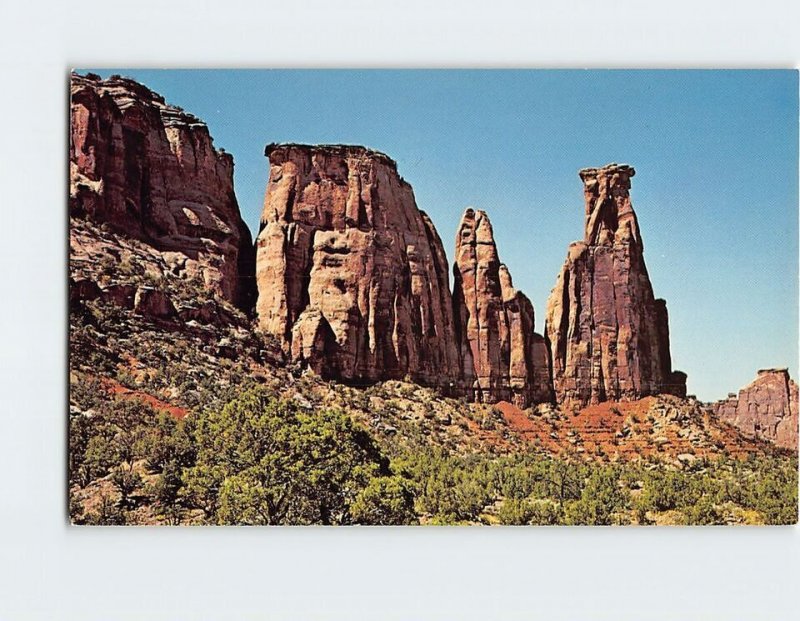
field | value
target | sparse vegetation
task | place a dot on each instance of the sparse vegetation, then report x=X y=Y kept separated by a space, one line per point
x=168 y=427
x=260 y=460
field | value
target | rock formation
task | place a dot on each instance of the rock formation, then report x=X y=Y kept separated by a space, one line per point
x=351 y=275
x=607 y=335
x=501 y=356
x=765 y=408
x=150 y=171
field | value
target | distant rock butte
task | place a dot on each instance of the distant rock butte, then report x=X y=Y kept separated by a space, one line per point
x=150 y=171
x=502 y=357
x=766 y=408
x=352 y=276
x=607 y=334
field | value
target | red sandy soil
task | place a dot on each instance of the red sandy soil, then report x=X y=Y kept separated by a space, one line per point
x=600 y=430
x=529 y=429
x=115 y=388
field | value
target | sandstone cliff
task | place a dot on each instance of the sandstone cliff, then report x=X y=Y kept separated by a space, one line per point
x=608 y=336
x=150 y=171
x=501 y=356
x=351 y=275
x=766 y=408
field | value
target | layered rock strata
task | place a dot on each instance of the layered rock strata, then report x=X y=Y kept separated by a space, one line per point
x=766 y=408
x=607 y=335
x=502 y=357
x=150 y=171
x=352 y=276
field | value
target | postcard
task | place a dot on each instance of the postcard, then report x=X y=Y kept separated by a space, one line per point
x=433 y=297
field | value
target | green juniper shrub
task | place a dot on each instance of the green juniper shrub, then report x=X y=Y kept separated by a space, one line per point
x=600 y=499
x=265 y=461
x=545 y=513
x=385 y=500
x=702 y=513
x=515 y=512
x=166 y=492
x=126 y=482
x=168 y=442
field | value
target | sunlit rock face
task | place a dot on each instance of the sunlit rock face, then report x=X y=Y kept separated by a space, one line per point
x=502 y=358
x=766 y=408
x=150 y=171
x=352 y=276
x=607 y=335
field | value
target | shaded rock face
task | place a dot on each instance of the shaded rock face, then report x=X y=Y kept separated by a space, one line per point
x=351 y=275
x=150 y=171
x=607 y=335
x=502 y=358
x=765 y=408
x=151 y=302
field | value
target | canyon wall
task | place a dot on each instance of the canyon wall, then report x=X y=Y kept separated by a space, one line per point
x=502 y=357
x=766 y=408
x=150 y=171
x=607 y=335
x=352 y=276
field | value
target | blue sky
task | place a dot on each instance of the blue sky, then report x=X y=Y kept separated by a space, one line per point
x=716 y=185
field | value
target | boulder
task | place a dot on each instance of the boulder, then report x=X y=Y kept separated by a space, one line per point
x=83 y=289
x=153 y=303
x=119 y=294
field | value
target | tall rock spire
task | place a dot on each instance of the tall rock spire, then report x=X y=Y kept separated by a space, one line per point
x=502 y=358
x=352 y=276
x=607 y=335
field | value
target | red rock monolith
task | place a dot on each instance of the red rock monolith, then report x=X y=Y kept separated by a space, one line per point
x=502 y=357
x=352 y=276
x=607 y=335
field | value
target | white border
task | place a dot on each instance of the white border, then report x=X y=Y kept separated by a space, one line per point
x=51 y=571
